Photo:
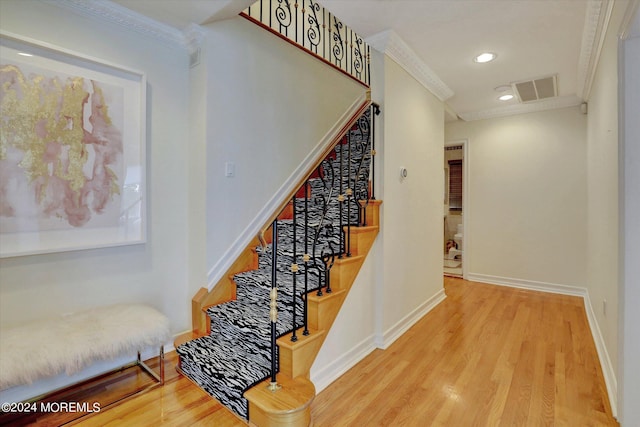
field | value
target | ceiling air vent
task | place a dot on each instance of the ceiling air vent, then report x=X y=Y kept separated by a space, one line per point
x=536 y=89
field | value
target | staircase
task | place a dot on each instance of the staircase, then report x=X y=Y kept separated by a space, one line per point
x=332 y=219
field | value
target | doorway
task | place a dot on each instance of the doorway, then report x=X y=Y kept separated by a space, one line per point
x=454 y=256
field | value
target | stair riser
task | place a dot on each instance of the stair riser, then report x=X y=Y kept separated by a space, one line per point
x=323 y=312
x=296 y=358
x=267 y=419
x=345 y=271
x=361 y=240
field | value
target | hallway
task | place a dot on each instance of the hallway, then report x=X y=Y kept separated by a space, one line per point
x=486 y=356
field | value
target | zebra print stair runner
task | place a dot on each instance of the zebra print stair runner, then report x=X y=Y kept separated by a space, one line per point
x=236 y=355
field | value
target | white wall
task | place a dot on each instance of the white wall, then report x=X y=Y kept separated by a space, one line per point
x=40 y=286
x=351 y=337
x=603 y=247
x=412 y=223
x=268 y=104
x=527 y=198
x=401 y=278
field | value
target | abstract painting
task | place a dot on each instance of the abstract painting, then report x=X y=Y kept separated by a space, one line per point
x=71 y=151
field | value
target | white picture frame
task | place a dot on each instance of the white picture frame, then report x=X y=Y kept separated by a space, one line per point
x=72 y=150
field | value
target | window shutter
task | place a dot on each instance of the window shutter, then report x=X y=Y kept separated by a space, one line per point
x=455 y=185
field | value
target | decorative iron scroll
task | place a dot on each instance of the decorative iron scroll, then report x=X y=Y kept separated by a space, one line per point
x=316 y=228
x=311 y=27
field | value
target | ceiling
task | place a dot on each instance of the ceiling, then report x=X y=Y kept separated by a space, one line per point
x=532 y=39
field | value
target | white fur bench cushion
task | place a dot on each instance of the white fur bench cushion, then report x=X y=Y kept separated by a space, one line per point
x=70 y=343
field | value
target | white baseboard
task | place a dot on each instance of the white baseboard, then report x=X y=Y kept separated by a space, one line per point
x=334 y=370
x=531 y=285
x=384 y=340
x=605 y=362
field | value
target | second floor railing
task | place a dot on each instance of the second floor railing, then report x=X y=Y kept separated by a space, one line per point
x=306 y=24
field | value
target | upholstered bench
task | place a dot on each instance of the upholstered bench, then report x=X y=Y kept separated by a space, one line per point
x=69 y=343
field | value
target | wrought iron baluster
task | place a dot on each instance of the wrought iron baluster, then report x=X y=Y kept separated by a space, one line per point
x=350 y=62
x=313 y=33
x=368 y=77
x=284 y=17
x=273 y=305
x=329 y=259
x=349 y=193
x=358 y=62
x=306 y=257
x=341 y=199
x=338 y=47
x=326 y=30
x=294 y=270
x=318 y=199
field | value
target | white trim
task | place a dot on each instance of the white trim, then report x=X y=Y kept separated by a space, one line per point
x=229 y=257
x=466 y=207
x=111 y=12
x=511 y=110
x=595 y=28
x=601 y=348
x=629 y=233
x=334 y=370
x=630 y=26
x=531 y=285
x=389 y=43
x=387 y=338
x=605 y=361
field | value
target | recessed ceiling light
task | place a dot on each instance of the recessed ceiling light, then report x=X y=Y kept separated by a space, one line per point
x=24 y=54
x=485 y=57
x=503 y=88
x=505 y=97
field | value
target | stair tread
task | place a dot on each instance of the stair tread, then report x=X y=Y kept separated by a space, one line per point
x=223 y=368
x=261 y=278
x=250 y=318
x=314 y=334
x=210 y=348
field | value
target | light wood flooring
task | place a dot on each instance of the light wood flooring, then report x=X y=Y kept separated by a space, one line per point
x=486 y=356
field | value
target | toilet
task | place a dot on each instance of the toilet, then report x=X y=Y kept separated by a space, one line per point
x=453 y=252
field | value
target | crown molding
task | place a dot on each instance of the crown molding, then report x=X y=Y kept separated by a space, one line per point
x=630 y=26
x=511 y=110
x=594 y=31
x=193 y=37
x=113 y=13
x=389 y=43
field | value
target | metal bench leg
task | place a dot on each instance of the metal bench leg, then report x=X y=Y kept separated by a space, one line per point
x=148 y=370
